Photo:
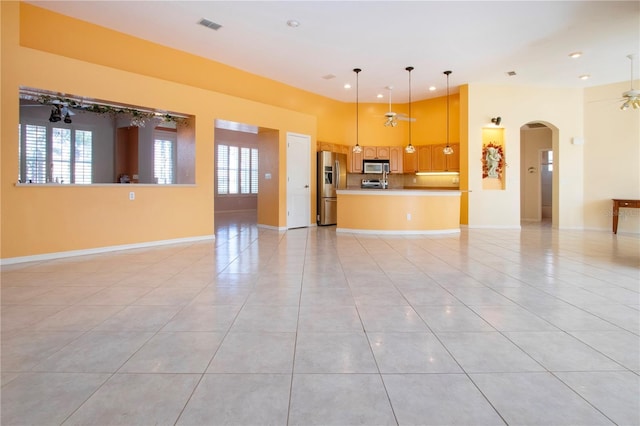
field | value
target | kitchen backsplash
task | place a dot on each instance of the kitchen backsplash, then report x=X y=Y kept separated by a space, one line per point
x=398 y=181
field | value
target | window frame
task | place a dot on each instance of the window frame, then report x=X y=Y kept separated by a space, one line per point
x=49 y=160
x=253 y=171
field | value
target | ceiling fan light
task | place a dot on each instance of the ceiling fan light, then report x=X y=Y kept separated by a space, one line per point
x=636 y=103
x=55 y=115
x=624 y=106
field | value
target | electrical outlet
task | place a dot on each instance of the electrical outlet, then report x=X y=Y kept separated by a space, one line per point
x=132 y=195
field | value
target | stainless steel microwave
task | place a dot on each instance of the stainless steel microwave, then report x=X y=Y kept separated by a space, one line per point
x=375 y=166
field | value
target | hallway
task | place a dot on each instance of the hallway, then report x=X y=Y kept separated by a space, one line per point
x=537 y=326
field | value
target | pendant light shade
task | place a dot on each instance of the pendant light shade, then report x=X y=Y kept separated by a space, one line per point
x=409 y=149
x=357 y=148
x=447 y=149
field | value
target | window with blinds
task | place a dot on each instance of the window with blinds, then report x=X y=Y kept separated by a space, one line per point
x=163 y=161
x=237 y=170
x=51 y=154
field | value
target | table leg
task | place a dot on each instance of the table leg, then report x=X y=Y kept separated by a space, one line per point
x=616 y=209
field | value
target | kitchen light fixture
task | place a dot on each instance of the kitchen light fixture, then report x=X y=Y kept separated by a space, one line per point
x=631 y=97
x=496 y=120
x=575 y=55
x=447 y=149
x=357 y=149
x=409 y=149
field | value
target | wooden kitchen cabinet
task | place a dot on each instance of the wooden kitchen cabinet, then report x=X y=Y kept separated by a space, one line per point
x=409 y=162
x=375 y=152
x=354 y=161
x=445 y=163
x=424 y=158
x=395 y=159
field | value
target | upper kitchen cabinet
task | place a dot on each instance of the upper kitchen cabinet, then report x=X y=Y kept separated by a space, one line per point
x=375 y=152
x=354 y=162
x=395 y=159
x=445 y=163
x=409 y=162
x=424 y=158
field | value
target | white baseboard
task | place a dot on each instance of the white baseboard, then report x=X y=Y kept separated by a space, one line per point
x=275 y=228
x=518 y=227
x=99 y=250
x=403 y=232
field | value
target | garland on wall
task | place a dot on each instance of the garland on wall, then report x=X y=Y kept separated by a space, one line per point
x=139 y=117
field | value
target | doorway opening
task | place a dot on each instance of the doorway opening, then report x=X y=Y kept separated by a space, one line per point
x=245 y=175
x=536 y=173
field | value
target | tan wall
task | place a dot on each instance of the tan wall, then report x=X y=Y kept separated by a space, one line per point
x=611 y=157
x=561 y=109
x=38 y=220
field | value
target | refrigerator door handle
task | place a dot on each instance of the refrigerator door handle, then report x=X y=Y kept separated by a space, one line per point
x=337 y=175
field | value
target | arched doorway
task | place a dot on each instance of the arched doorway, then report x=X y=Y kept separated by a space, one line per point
x=538 y=183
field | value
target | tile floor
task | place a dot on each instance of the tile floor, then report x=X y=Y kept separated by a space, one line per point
x=489 y=327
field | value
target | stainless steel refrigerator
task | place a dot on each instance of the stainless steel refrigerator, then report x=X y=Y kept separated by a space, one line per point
x=332 y=175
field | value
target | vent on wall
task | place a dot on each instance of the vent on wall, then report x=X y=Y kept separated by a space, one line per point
x=209 y=24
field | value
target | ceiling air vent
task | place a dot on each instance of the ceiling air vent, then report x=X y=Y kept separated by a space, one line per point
x=209 y=24
x=510 y=73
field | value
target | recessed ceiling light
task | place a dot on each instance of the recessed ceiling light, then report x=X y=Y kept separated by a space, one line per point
x=432 y=88
x=584 y=77
x=379 y=96
x=347 y=86
x=293 y=23
x=329 y=76
x=575 y=54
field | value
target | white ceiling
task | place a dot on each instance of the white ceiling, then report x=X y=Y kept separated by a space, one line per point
x=479 y=41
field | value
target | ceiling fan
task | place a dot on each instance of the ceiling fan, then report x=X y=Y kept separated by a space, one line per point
x=632 y=96
x=60 y=110
x=391 y=118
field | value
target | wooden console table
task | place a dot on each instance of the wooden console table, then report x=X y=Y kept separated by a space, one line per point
x=631 y=204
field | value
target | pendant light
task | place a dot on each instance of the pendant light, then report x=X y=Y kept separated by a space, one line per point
x=409 y=149
x=357 y=149
x=447 y=149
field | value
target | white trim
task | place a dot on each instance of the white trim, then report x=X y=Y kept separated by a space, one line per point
x=128 y=186
x=494 y=227
x=275 y=228
x=100 y=250
x=394 y=232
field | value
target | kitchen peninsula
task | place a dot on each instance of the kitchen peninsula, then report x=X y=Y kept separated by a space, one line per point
x=398 y=211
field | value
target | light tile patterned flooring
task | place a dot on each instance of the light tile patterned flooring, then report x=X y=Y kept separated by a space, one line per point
x=307 y=327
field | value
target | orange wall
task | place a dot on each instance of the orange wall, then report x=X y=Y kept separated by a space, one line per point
x=105 y=64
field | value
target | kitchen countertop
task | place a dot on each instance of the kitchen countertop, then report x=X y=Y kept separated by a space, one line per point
x=404 y=191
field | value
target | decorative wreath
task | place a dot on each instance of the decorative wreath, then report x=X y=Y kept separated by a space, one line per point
x=485 y=165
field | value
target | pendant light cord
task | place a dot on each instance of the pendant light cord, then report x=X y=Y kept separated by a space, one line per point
x=447 y=73
x=357 y=71
x=409 y=69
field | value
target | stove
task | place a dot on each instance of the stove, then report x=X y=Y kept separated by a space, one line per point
x=371 y=184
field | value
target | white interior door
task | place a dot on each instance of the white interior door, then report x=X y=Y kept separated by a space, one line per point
x=298 y=185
